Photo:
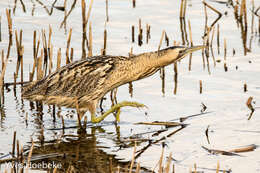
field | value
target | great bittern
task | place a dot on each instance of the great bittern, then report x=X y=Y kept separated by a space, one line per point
x=86 y=81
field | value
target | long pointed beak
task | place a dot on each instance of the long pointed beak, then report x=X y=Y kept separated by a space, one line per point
x=189 y=50
x=193 y=49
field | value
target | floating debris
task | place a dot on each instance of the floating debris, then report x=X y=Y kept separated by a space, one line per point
x=250 y=106
x=160 y=123
x=207 y=134
x=232 y=152
x=245 y=87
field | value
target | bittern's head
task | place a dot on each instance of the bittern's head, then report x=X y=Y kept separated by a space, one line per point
x=176 y=53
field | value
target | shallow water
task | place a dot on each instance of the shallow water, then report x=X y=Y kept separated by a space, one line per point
x=222 y=91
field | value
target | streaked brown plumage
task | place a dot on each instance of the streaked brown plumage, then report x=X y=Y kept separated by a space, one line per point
x=87 y=81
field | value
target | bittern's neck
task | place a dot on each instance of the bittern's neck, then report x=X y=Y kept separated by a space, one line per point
x=159 y=58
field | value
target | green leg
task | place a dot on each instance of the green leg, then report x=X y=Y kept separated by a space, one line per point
x=114 y=108
x=117 y=116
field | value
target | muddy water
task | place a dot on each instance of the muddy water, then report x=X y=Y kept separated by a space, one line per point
x=222 y=92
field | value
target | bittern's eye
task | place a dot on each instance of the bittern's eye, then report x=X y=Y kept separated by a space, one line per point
x=181 y=51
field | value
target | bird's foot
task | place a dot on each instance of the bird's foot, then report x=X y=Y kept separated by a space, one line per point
x=114 y=108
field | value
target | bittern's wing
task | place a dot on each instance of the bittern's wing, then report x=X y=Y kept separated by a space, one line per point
x=78 y=79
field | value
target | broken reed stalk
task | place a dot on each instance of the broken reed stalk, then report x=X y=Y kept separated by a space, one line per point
x=175 y=78
x=84 y=28
x=29 y=157
x=138 y=167
x=195 y=168
x=252 y=21
x=110 y=165
x=140 y=35
x=21 y=157
x=133 y=159
x=90 y=41
x=184 y=10
x=49 y=40
x=134 y=3
x=68 y=14
x=215 y=21
x=105 y=43
x=6 y=59
x=18 y=53
x=217 y=170
x=207 y=48
x=50 y=59
x=148 y=33
x=245 y=15
x=160 y=44
x=71 y=54
x=218 y=40
x=162 y=70
x=131 y=52
x=86 y=22
x=14 y=139
x=4 y=64
x=245 y=87
x=200 y=86
x=68 y=46
x=133 y=33
x=65 y=14
x=191 y=44
x=35 y=54
x=107 y=11
x=166 y=39
x=10 y=26
x=39 y=66
x=45 y=53
x=203 y=53
x=21 y=54
x=206 y=19
x=167 y=168
x=20 y=50
x=225 y=55
x=17 y=149
x=211 y=47
x=161 y=160
x=207 y=134
x=181 y=9
x=58 y=59
x=26 y=119
x=162 y=75
x=236 y=10
x=89 y=11
x=175 y=68
x=242 y=9
x=49 y=49
x=31 y=74
x=23 y=6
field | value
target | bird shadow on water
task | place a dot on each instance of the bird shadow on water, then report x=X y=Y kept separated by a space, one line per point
x=79 y=153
